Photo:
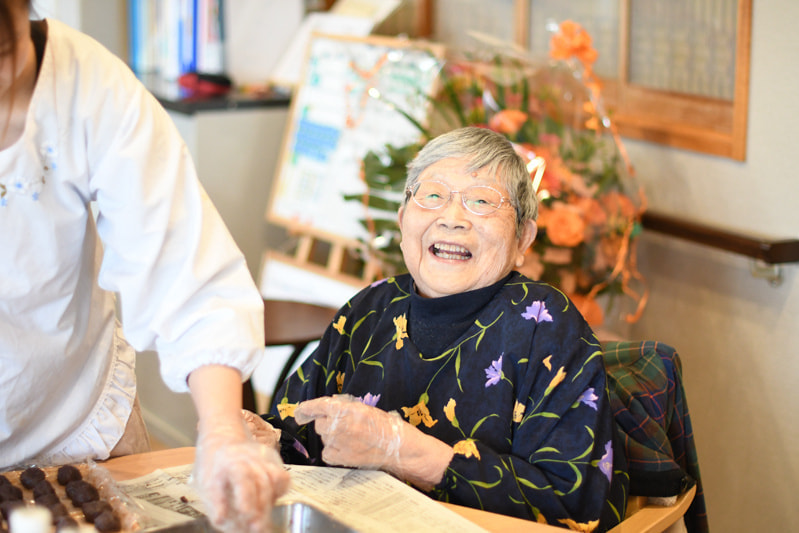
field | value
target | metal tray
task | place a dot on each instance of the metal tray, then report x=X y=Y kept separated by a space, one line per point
x=293 y=517
x=302 y=518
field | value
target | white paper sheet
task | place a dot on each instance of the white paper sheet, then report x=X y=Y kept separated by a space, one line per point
x=365 y=500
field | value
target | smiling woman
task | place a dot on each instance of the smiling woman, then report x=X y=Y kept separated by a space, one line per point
x=451 y=248
x=463 y=377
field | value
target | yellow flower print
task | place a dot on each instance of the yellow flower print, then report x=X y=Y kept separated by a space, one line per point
x=518 y=412
x=402 y=330
x=449 y=409
x=339 y=381
x=449 y=412
x=556 y=380
x=547 y=362
x=339 y=324
x=467 y=448
x=419 y=413
x=541 y=519
x=286 y=409
x=585 y=527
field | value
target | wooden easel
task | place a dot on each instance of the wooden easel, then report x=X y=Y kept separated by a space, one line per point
x=347 y=104
x=335 y=258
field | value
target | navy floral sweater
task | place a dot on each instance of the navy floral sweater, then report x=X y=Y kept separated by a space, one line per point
x=519 y=393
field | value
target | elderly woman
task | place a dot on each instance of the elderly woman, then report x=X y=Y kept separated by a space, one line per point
x=474 y=383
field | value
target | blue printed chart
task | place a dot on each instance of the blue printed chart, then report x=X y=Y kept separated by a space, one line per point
x=346 y=105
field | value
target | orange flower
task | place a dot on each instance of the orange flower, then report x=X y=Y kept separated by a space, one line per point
x=589 y=308
x=518 y=412
x=419 y=414
x=620 y=209
x=286 y=409
x=565 y=226
x=573 y=41
x=585 y=527
x=559 y=377
x=401 y=323
x=339 y=324
x=508 y=121
x=467 y=448
x=449 y=412
x=593 y=214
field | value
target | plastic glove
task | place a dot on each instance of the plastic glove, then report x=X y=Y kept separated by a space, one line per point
x=261 y=430
x=238 y=478
x=359 y=435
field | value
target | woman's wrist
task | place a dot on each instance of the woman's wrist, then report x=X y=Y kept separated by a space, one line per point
x=424 y=464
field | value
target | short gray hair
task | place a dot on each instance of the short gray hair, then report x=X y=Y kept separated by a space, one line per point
x=483 y=148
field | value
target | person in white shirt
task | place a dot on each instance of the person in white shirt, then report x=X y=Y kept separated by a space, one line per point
x=98 y=198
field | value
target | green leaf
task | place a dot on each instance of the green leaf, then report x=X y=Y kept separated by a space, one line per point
x=484 y=485
x=547 y=449
x=530 y=484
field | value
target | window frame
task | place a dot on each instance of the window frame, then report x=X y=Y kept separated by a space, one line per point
x=707 y=125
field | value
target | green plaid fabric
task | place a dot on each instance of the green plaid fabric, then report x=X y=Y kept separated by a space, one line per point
x=650 y=408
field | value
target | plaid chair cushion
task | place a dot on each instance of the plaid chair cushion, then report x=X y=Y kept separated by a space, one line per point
x=649 y=404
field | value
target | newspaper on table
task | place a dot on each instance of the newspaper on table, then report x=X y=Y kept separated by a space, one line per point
x=364 y=500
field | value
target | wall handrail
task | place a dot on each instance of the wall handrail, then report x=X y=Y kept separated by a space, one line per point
x=769 y=251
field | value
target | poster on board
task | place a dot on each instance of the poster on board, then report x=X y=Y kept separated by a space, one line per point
x=346 y=106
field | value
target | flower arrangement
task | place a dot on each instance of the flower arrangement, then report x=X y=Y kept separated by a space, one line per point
x=589 y=205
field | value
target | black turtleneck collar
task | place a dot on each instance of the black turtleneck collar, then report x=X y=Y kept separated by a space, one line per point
x=436 y=323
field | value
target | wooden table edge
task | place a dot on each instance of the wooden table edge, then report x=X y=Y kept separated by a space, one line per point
x=133 y=466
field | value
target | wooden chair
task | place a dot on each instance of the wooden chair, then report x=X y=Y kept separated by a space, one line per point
x=644 y=517
x=288 y=323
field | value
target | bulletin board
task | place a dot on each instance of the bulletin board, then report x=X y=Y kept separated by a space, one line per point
x=346 y=105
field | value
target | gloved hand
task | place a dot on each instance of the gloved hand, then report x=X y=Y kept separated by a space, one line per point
x=261 y=430
x=239 y=479
x=359 y=435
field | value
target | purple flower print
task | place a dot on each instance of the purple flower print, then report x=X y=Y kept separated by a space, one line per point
x=297 y=445
x=494 y=371
x=369 y=399
x=379 y=282
x=538 y=311
x=589 y=398
x=606 y=463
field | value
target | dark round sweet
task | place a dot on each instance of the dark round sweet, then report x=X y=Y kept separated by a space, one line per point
x=49 y=499
x=107 y=521
x=41 y=488
x=4 y=480
x=92 y=509
x=10 y=493
x=68 y=473
x=80 y=492
x=31 y=476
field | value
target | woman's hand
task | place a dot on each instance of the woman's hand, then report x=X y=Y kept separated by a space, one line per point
x=261 y=430
x=239 y=478
x=359 y=435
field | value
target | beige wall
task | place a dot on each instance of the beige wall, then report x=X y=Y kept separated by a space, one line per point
x=738 y=336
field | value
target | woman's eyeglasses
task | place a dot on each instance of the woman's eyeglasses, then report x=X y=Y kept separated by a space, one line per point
x=477 y=199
